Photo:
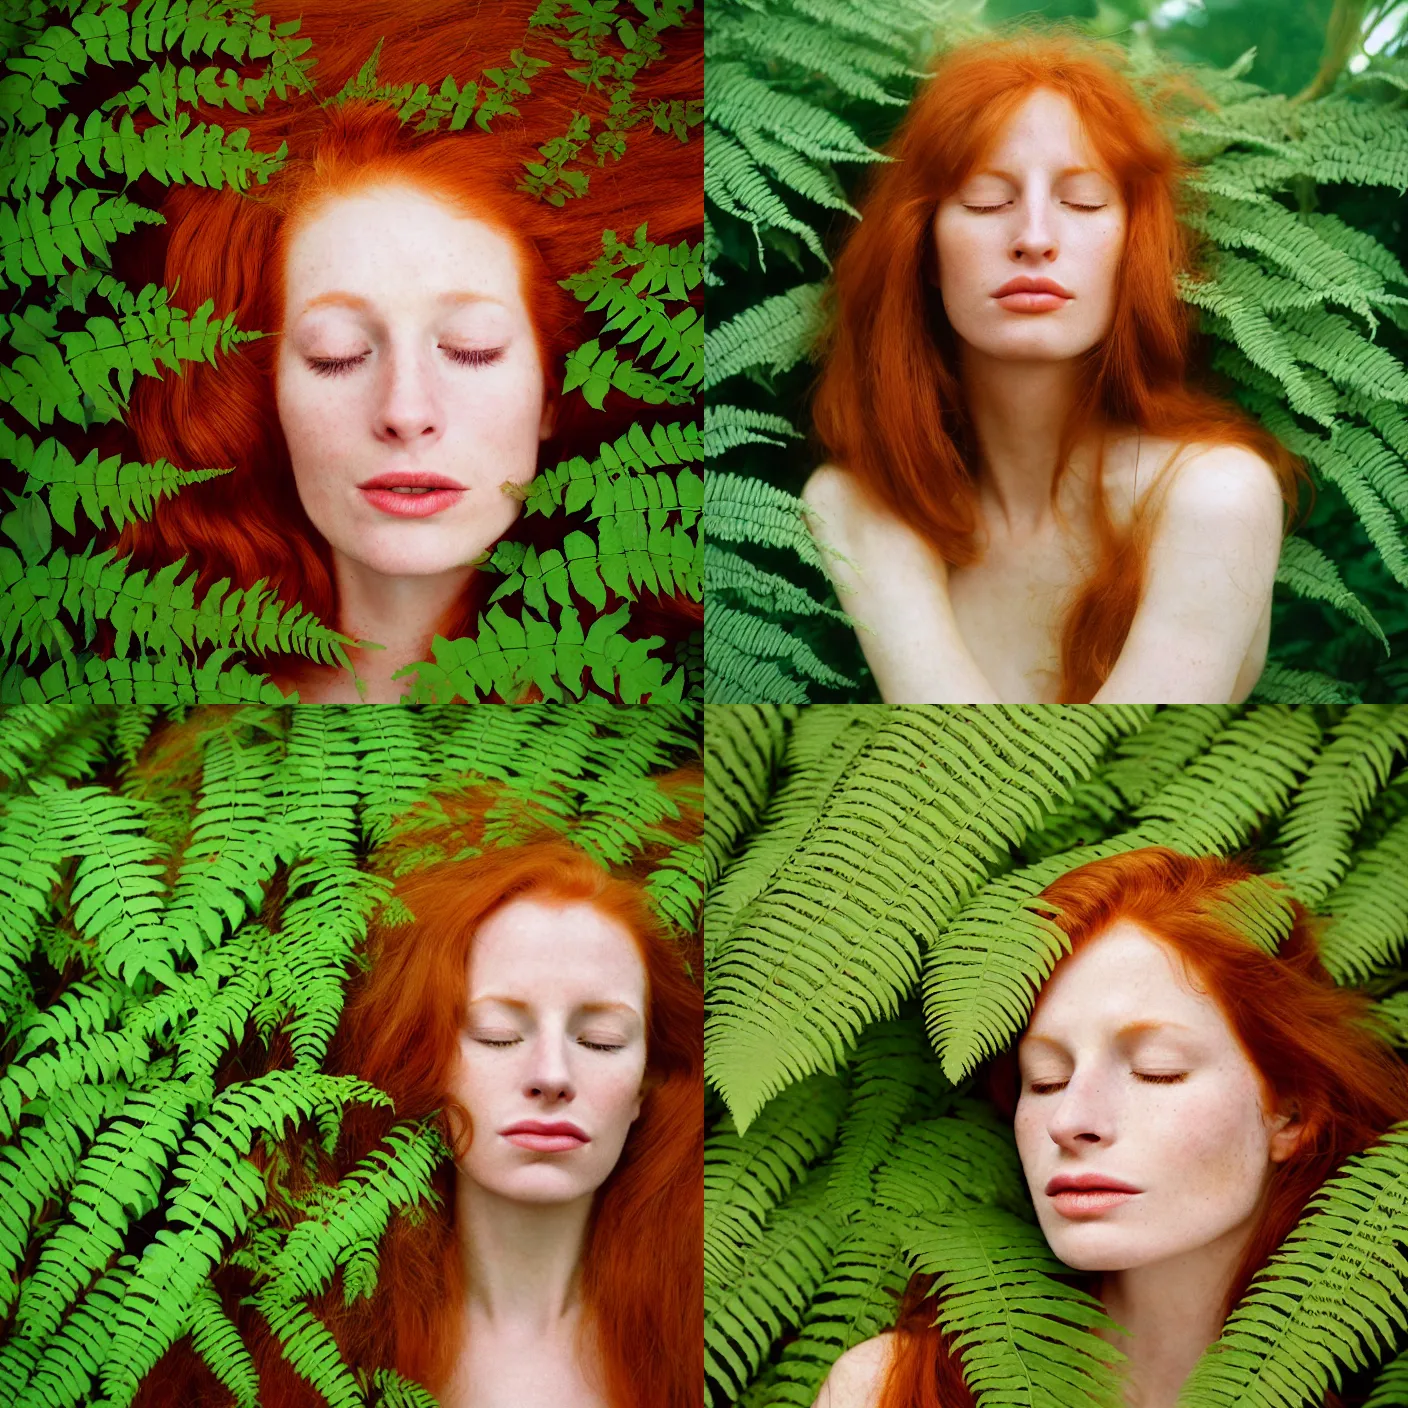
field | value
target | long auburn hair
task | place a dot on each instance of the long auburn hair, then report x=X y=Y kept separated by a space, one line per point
x=227 y=246
x=1307 y=1038
x=889 y=404
x=642 y=1287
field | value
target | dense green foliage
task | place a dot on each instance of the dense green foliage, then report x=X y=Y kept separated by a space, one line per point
x=181 y=903
x=869 y=942
x=76 y=623
x=1303 y=314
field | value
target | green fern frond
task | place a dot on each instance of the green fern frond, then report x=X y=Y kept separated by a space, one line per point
x=1027 y=1339
x=1369 y=911
x=768 y=1289
x=507 y=655
x=1306 y=571
x=747 y=1175
x=776 y=333
x=793 y=987
x=1319 y=829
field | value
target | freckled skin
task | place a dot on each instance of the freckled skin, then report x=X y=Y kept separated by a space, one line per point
x=408 y=404
x=1201 y=1150
x=554 y=959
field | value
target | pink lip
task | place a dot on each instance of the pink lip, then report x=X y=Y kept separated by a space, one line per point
x=556 y=1137
x=439 y=493
x=1028 y=295
x=1088 y=1194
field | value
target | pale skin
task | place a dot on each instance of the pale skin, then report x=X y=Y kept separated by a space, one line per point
x=407 y=351
x=1132 y=1072
x=554 y=1031
x=1042 y=205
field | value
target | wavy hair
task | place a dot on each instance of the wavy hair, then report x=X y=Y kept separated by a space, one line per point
x=1307 y=1038
x=642 y=1285
x=227 y=246
x=889 y=405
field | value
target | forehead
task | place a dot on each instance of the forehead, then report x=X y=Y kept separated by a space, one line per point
x=542 y=951
x=1044 y=129
x=1121 y=977
x=394 y=245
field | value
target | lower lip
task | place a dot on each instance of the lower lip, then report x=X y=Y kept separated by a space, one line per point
x=546 y=1143
x=1089 y=1203
x=412 y=505
x=1033 y=302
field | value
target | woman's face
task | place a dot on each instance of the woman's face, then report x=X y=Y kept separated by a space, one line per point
x=409 y=384
x=1039 y=210
x=552 y=1050
x=1141 y=1123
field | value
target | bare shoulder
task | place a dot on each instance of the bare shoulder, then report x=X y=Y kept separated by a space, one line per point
x=831 y=490
x=857 y=1378
x=845 y=518
x=1216 y=496
x=1226 y=479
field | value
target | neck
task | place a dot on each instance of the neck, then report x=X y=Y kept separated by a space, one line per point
x=401 y=615
x=1170 y=1312
x=1018 y=411
x=521 y=1261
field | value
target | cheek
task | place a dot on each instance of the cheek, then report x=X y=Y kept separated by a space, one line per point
x=1214 y=1148
x=618 y=1092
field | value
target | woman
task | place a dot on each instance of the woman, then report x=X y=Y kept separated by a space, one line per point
x=1026 y=501
x=382 y=435
x=535 y=1003
x=1180 y=1096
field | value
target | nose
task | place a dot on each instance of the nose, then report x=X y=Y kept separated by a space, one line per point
x=1083 y=1114
x=409 y=410
x=1035 y=241
x=549 y=1078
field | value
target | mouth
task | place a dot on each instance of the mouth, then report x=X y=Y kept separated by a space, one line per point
x=1088 y=1194
x=1028 y=295
x=557 y=1137
x=411 y=493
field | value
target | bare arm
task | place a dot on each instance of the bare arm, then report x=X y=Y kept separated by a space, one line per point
x=1207 y=590
x=895 y=588
x=857 y=1378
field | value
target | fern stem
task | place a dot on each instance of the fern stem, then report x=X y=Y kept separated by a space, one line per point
x=1343 y=35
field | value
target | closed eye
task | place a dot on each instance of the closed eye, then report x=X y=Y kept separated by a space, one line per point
x=601 y=1045
x=465 y=356
x=1069 y=204
x=497 y=1041
x=1172 y=1078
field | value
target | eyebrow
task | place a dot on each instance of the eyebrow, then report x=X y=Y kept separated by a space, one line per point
x=343 y=299
x=1063 y=172
x=591 y=1007
x=1129 y=1029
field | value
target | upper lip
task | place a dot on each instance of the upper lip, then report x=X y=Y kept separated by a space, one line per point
x=1086 y=1183
x=1024 y=283
x=545 y=1127
x=410 y=479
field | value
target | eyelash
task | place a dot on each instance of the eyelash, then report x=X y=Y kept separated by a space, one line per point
x=987 y=209
x=1050 y=1087
x=591 y=1045
x=465 y=356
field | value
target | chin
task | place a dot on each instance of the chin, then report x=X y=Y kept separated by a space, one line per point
x=1100 y=1249
x=1034 y=344
x=540 y=1186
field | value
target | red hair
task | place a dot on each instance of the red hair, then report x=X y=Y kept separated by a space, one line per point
x=889 y=405
x=227 y=246
x=642 y=1282
x=1307 y=1038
